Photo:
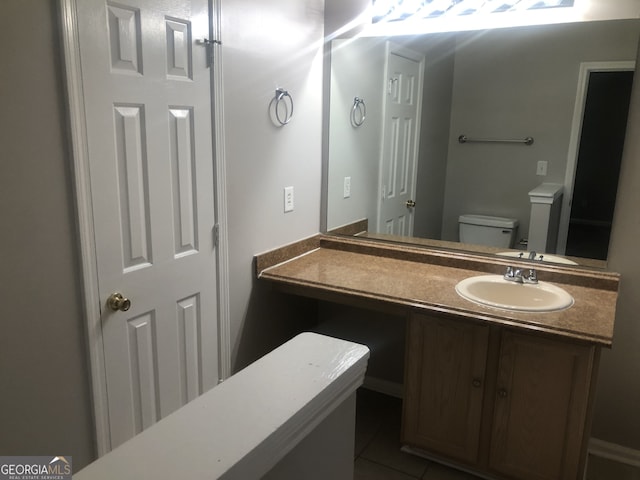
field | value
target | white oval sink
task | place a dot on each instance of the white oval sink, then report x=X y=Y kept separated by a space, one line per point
x=495 y=291
x=542 y=257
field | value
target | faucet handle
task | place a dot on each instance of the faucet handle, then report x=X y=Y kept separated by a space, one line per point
x=510 y=274
x=531 y=277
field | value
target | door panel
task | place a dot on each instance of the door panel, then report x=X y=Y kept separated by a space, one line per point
x=444 y=386
x=148 y=109
x=144 y=393
x=400 y=145
x=540 y=407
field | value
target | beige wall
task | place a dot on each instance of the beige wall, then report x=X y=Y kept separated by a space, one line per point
x=45 y=406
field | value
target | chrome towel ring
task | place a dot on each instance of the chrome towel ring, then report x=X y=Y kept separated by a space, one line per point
x=358 y=112
x=280 y=99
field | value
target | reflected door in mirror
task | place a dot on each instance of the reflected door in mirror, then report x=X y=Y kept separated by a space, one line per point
x=400 y=142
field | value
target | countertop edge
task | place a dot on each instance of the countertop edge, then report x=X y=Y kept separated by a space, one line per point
x=267 y=267
x=426 y=307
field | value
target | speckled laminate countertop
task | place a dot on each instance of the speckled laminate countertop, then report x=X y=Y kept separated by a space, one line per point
x=426 y=283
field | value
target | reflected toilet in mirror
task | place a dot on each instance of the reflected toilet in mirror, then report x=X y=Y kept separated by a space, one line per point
x=488 y=230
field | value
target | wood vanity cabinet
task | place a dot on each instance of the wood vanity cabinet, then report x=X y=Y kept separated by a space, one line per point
x=503 y=403
x=444 y=386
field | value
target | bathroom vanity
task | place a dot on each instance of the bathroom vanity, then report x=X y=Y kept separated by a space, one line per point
x=504 y=394
x=496 y=400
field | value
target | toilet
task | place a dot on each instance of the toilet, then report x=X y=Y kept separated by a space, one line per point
x=488 y=230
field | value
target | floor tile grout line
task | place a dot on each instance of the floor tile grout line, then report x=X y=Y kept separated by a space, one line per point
x=380 y=431
x=394 y=469
x=368 y=443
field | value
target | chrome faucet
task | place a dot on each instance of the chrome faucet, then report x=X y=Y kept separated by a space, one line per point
x=531 y=276
x=518 y=275
x=533 y=254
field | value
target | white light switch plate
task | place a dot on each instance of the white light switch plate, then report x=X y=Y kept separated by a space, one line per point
x=347 y=187
x=288 y=199
x=542 y=168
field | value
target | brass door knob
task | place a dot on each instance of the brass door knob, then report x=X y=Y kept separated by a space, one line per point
x=410 y=204
x=118 y=302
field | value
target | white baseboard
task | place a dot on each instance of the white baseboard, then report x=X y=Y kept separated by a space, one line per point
x=613 y=451
x=380 y=385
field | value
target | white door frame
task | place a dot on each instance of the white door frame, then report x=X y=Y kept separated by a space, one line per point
x=574 y=140
x=85 y=220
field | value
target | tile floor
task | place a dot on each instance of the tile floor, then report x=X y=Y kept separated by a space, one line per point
x=378 y=455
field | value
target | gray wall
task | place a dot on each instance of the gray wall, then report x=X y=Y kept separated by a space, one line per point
x=45 y=403
x=514 y=83
x=616 y=417
x=434 y=135
x=357 y=70
x=262 y=159
x=45 y=406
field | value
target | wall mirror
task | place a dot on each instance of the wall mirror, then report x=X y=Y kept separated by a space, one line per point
x=566 y=86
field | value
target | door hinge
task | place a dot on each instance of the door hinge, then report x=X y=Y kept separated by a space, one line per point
x=216 y=235
x=209 y=44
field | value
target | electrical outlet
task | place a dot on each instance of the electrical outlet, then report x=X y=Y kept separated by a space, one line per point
x=288 y=199
x=347 y=187
x=542 y=168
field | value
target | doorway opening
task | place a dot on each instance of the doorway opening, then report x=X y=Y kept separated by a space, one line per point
x=599 y=155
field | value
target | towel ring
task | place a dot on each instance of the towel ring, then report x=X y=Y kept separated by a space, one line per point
x=358 y=112
x=281 y=96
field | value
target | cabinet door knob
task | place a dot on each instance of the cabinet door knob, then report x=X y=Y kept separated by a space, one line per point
x=502 y=393
x=476 y=383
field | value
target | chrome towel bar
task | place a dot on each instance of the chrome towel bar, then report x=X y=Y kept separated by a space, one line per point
x=465 y=139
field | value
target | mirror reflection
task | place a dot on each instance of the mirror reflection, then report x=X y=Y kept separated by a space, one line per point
x=406 y=170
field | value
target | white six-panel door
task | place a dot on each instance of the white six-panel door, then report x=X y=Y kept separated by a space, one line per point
x=148 y=114
x=401 y=124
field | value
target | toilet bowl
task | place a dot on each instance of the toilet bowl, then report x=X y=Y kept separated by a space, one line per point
x=487 y=230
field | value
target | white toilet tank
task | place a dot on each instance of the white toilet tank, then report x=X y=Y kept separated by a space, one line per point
x=488 y=230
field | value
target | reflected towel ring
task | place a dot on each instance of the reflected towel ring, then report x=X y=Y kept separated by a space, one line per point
x=281 y=94
x=358 y=112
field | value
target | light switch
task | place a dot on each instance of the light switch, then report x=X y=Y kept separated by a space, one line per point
x=542 y=168
x=288 y=199
x=347 y=187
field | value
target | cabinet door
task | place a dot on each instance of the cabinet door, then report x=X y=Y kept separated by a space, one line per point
x=444 y=384
x=540 y=408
